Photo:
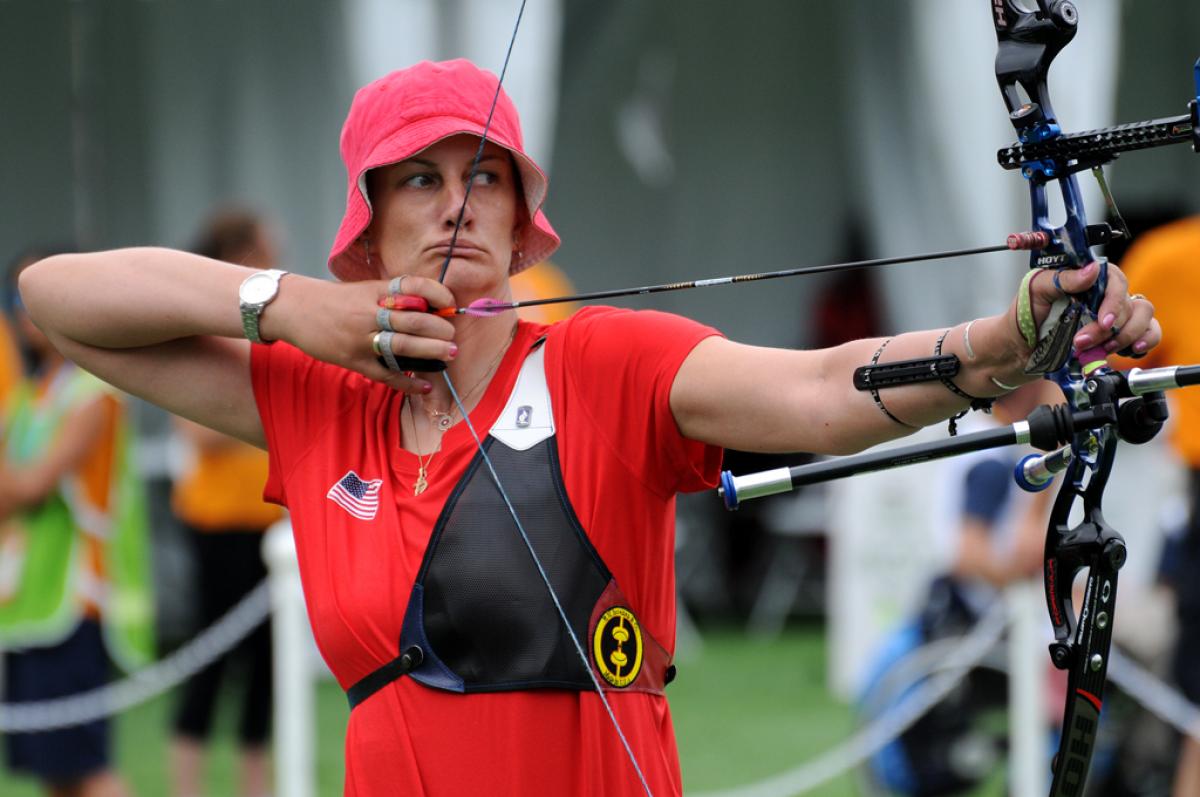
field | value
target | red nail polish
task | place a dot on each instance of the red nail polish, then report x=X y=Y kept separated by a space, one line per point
x=1141 y=346
x=1108 y=320
x=1083 y=341
x=426 y=387
x=453 y=349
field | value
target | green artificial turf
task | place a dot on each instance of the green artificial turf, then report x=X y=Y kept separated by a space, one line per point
x=747 y=708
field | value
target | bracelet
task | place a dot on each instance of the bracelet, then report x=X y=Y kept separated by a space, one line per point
x=976 y=403
x=967 y=340
x=875 y=393
x=971 y=355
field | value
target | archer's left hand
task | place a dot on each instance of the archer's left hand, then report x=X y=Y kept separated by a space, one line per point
x=1123 y=321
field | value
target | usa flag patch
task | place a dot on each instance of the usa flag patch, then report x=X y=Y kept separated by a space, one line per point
x=359 y=498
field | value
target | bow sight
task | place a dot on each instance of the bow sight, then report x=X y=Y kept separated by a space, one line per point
x=1028 y=41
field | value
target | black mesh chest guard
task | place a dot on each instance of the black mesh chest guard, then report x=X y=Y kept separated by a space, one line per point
x=480 y=619
x=488 y=617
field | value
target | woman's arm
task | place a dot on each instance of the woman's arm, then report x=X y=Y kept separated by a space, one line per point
x=775 y=400
x=202 y=437
x=159 y=324
x=165 y=326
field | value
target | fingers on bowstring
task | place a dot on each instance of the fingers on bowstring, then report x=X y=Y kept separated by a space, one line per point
x=415 y=347
x=435 y=293
x=415 y=324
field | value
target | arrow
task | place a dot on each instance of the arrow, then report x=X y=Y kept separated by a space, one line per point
x=1026 y=241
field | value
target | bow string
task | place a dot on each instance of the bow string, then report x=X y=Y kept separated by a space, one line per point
x=482 y=450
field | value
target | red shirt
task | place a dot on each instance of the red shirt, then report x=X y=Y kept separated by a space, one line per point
x=623 y=459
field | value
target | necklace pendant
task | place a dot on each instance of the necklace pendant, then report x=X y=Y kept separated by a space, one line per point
x=420 y=484
x=444 y=422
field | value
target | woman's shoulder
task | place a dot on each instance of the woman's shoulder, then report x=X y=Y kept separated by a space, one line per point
x=598 y=330
x=592 y=318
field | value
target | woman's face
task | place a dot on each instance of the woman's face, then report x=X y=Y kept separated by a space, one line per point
x=416 y=204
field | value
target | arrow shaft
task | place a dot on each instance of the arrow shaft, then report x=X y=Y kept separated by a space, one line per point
x=729 y=280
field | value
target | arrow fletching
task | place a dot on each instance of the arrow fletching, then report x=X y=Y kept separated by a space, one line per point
x=483 y=308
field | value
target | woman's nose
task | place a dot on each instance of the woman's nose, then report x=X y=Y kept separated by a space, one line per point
x=455 y=197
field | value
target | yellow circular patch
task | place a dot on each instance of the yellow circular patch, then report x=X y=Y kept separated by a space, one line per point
x=617 y=646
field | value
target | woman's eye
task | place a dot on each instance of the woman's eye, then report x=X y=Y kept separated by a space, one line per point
x=486 y=178
x=418 y=181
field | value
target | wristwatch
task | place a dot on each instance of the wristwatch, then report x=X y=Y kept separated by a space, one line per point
x=257 y=291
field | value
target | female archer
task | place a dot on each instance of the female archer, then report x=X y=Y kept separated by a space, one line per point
x=487 y=551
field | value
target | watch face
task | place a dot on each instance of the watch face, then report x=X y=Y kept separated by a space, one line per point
x=258 y=288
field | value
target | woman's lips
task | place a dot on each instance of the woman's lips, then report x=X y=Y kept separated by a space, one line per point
x=460 y=249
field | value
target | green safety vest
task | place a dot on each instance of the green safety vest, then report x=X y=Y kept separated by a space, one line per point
x=41 y=550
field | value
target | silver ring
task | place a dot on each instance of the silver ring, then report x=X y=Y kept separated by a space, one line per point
x=395 y=283
x=383 y=319
x=382 y=343
x=389 y=358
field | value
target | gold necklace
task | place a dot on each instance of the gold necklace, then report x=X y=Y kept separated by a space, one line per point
x=444 y=419
x=422 y=481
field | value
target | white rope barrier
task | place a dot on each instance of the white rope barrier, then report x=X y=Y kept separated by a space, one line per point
x=937 y=667
x=1154 y=695
x=205 y=648
x=950 y=668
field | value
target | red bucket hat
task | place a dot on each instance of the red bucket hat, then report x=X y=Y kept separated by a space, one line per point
x=406 y=111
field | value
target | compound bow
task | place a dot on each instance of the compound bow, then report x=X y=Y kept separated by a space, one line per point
x=1103 y=405
x=1028 y=41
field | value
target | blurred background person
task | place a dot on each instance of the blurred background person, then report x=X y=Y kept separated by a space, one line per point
x=74 y=570
x=1164 y=264
x=10 y=358
x=993 y=534
x=997 y=531
x=218 y=499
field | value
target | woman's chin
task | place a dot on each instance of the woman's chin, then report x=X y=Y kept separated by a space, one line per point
x=474 y=279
